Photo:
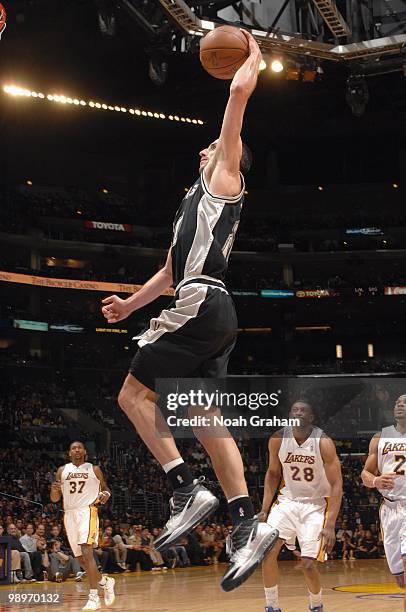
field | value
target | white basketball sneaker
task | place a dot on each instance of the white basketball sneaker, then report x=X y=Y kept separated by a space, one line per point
x=109 y=595
x=93 y=603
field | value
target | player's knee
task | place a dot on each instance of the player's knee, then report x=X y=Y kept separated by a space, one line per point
x=308 y=565
x=132 y=396
x=87 y=551
x=127 y=401
x=272 y=556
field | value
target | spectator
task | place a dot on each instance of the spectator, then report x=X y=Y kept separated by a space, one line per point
x=24 y=555
x=15 y=561
x=344 y=530
x=136 y=552
x=348 y=546
x=367 y=547
x=42 y=549
x=62 y=565
x=120 y=550
x=28 y=540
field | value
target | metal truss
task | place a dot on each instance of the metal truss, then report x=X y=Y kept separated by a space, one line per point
x=333 y=18
x=276 y=41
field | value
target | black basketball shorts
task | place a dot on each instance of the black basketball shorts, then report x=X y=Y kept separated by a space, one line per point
x=192 y=338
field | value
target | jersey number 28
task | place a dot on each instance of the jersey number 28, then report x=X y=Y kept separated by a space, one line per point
x=308 y=473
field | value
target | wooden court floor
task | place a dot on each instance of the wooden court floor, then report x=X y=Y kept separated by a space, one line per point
x=348 y=585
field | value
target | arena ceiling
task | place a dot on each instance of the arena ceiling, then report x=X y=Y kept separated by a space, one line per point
x=112 y=48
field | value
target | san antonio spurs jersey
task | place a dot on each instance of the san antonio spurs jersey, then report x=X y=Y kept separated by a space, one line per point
x=80 y=486
x=303 y=468
x=392 y=458
x=203 y=232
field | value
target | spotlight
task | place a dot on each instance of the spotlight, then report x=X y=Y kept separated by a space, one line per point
x=262 y=65
x=320 y=188
x=29 y=183
x=357 y=95
x=395 y=186
x=277 y=66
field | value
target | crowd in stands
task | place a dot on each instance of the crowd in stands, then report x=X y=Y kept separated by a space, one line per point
x=28 y=208
x=126 y=539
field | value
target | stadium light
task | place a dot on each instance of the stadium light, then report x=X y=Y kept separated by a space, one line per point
x=277 y=65
x=13 y=90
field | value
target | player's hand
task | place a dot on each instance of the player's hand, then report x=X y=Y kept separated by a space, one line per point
x=115 y=309
x=56 y=487
x=328 y=537
x=252 y=43
x=262 y=516
x=104 y=497
x=385 y=481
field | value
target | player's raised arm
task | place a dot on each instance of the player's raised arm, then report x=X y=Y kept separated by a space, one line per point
x=332 y=469
x=56 y=488
x=116 y=309
x=224 y=172
x=369 y=474
x=105 y=492
x=272 y=476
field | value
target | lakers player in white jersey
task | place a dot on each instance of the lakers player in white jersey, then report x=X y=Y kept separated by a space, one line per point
x=385 y=469
x=82 y=485
x=303 y=462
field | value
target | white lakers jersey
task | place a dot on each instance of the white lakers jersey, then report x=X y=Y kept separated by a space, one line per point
x=80 y=486
x=392 y=458
x=304 y=476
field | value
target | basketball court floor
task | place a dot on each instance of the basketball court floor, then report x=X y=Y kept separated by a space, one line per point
x=348 y=585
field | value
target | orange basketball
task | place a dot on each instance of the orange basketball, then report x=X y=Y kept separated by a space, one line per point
x=223 y=51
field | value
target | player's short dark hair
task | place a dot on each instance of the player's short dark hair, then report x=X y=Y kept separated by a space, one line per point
x=246 y=159
x=303 y=400
x=77 y=442
x=70 y=446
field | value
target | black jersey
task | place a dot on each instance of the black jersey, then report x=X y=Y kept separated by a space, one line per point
x=203 y=232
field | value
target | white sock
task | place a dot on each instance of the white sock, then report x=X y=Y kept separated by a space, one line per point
x=94 y=592
x=271 y=596
x=315 y=599
x=172 y=464
x=236 y=497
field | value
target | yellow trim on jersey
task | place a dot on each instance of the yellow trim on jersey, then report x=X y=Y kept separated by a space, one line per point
x=380 y=520
x=321 y=554
x=91 y=537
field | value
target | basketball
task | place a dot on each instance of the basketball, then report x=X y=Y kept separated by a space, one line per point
x=223 y=51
